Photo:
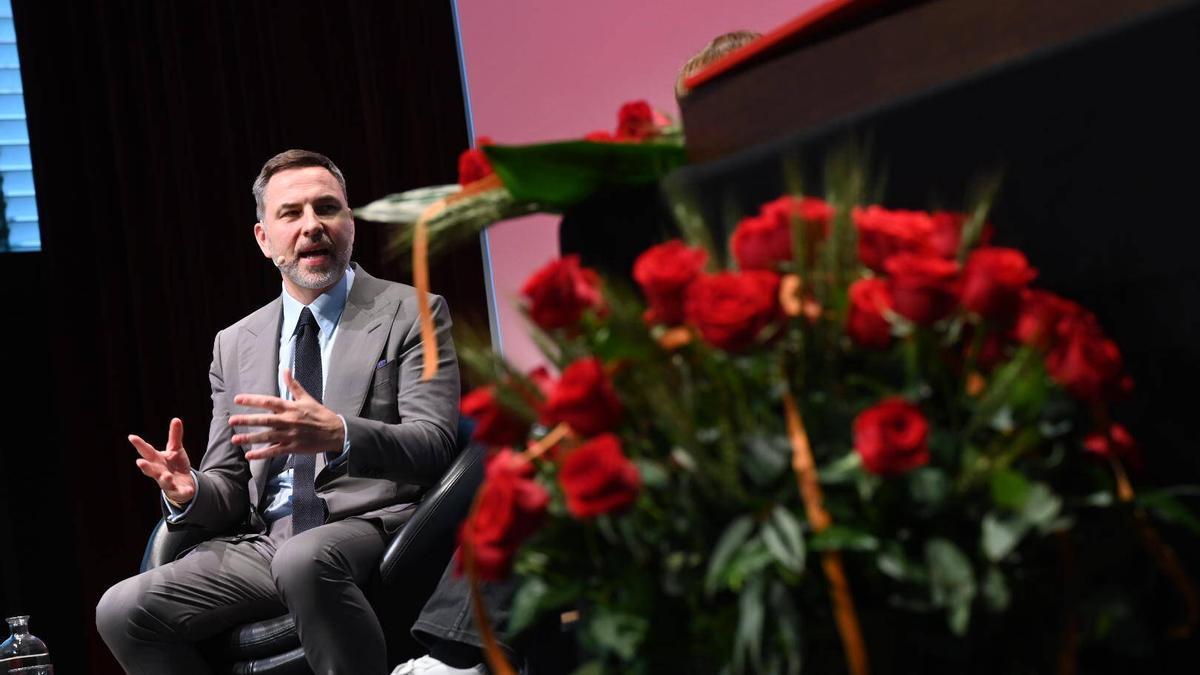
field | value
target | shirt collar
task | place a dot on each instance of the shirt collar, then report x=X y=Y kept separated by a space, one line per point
x=327 y=308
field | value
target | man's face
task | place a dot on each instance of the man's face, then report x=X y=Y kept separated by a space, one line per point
x=307 y=229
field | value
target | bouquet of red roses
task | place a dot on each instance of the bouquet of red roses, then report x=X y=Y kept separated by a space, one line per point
x=880 y=390
x=868 y=435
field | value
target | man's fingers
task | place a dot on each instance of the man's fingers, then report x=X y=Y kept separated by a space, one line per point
x=175 y=434
x=270 y=436
x=266 y=452
x=151 y=469
x=297 y=389
x=272 y=403
x=146 y=450
x=273 y=421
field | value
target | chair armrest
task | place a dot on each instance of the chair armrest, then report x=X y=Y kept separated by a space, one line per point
x=430 y=534
x=165 y=545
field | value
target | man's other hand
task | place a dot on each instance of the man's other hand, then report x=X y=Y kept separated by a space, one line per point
x=301 y=426
x=169 y=468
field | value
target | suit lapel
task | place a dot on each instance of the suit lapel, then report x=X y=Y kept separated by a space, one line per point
x=361 y=336
x=258 y=373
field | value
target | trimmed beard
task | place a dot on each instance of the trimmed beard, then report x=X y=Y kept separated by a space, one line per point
x=321 y=280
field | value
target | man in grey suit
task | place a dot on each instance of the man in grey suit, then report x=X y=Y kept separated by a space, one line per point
x=304 y=476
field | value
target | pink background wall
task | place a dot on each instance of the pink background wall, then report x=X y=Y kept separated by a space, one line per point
x=550 y=69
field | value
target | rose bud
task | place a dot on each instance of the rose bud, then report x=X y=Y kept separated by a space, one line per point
x=993 y=280
x=558 y=294
x=597 y=478
x=924 y=288
x=865 y=323
x=765 y=241
x=583 y=398
x=664 y=272
x=892 y=437
x=511 y=507
x=883 y=233
x=1085 y=361
x=1039 y=315
x=473 y=164
x=1118 y=443
x=494 y=424
x=731 y=309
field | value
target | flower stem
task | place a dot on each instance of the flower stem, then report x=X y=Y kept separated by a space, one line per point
x=831 y=561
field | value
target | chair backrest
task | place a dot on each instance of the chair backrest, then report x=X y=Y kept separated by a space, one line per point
x=430 y=534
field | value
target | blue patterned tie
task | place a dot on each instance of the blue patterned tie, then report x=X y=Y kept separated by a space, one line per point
x=307 y=510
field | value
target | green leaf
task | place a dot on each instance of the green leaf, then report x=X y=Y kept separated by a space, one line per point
x=928 y=486
x=995 y=590
x=951 y=582
x=783 y=538
x=1041 y=507
x=1164 y=506
x=765 y=458
x=748 y=639
x=1009 y=489
x=841 y=470
x=618 y=632
x=590 y=668
x=1000 y=536
x=653 y=474
x=559 y=175
x=535 y=597
x=842 y=538
x=731 y=540
x=893 y=563
x=748 y=563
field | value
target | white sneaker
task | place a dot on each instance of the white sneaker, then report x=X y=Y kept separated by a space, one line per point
x=427 y=665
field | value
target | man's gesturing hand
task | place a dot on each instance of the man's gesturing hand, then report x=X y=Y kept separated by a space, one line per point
x=301 y=426
x=169 y=468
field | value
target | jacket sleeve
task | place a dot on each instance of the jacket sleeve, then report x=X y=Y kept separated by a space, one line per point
x=422 y=445
x=221 y=494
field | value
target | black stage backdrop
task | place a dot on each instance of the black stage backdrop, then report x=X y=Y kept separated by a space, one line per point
x=148 y=121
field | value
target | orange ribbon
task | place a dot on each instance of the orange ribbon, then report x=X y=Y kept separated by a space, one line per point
x=805 y=468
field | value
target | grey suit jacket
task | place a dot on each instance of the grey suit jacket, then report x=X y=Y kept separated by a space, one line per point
x=401 y=430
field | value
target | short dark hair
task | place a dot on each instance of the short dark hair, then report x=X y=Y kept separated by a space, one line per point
x=292 y=159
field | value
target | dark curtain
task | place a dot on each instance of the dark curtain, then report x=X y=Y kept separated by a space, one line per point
x=148 y=121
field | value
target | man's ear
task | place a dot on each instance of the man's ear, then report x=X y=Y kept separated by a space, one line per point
x=260 y=235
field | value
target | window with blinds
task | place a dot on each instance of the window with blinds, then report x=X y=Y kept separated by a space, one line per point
x=19 y=225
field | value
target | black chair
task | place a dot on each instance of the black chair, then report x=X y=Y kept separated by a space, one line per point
x=410 y=569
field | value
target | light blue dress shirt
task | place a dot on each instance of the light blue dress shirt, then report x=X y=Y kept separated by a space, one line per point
x=327 y=310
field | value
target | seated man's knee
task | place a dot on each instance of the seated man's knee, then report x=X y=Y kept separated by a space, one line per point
x=299 y=567
x=114 y=611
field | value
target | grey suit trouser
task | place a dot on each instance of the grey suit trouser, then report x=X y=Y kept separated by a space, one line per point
x=152 y=621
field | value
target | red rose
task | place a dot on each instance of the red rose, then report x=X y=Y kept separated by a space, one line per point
x=511 y=507
x=883 y=233
x=559 y=293
x=892 y=437
x=1085 y=361
x=1039 y=315
x=948 y=230
x=866 y=324
x=583 y=398
x=597 y=478
x=473 y=165
x=635 y=121
x=993 y=280
x=494 y=424
x=1117 y=442
x=924 y=288
x=731 y=309
x=664 y=272
x=599 y=136
x=764 y=241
